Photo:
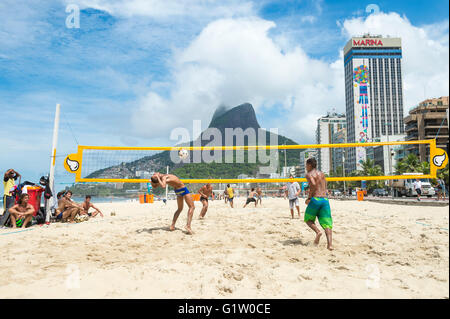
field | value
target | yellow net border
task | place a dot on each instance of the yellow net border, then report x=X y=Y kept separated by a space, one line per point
x=438 y=160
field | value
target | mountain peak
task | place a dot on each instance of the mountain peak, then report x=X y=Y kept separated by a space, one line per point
x=242 y=116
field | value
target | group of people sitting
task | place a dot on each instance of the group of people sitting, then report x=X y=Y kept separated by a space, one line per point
x=66 y=210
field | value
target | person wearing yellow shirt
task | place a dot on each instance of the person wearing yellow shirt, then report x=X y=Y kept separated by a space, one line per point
x=9 y=181
x=230 y=192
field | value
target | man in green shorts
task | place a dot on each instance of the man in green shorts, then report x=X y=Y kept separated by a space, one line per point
x=318 y=205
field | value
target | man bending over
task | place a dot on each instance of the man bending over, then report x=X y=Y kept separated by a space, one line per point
x=161 y=180
x=251 y=198
x=205 y=192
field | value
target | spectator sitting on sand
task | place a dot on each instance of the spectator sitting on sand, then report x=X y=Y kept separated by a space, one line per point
x=67 y=209
x=56 y=204
x=86 y=205
x=22 y=210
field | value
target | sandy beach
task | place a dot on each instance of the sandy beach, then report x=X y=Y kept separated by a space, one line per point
x=381 y=251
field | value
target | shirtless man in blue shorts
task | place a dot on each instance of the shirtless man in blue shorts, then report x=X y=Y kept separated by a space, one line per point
x=183 y=194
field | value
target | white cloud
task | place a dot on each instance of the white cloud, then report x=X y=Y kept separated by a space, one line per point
x=425 y=53
x=309 y=19
x=233 y=61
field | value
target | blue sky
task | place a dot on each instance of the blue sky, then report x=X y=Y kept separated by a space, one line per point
x=135 y=69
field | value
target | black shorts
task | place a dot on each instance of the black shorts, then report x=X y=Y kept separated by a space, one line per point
x=419 y=191
x=250 y=199
x=202 y=198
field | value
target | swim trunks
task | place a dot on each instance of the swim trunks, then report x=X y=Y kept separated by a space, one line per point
x=319 y=207
x=250 y=199
x=182 y=191
x=293 y=202
x=202 y=198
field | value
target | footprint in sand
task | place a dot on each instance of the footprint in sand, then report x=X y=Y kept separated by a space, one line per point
x=303 y=277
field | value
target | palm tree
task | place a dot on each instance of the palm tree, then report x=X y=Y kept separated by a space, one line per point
x=423 y=167
x=370 y=169
x=409 y=164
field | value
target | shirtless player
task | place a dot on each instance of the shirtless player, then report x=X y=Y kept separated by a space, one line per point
x=160 y=180
x=86 y=205
x=205 y=192
x=318 y=205
x=259 y=195
x=251 y=198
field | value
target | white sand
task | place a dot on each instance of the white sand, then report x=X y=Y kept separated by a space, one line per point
x=382 y=251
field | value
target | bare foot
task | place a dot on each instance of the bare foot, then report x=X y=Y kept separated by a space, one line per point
x=330 y=247
x=316 y=241
x=189 y=230
x=172 y=228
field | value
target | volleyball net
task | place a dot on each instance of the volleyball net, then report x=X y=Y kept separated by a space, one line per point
x=135 y=164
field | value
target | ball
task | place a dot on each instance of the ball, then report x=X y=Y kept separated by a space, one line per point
x=183 y=154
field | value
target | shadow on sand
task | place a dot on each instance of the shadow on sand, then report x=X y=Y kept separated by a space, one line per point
x=294 y=242
x=165 y=228
x=151 y=230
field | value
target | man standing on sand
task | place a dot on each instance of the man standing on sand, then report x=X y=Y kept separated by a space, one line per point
x=292 y=192
x=418 y=188
x=9 y=180
x=22 y=210
x=160 y=180
x=86 y=205
x=205 y=192
x=230 y=193
x=318 y=204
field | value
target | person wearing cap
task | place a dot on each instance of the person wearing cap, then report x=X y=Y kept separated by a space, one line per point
x=9 y=181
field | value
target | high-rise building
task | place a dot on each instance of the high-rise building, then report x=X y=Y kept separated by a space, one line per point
x=326 y=127
x=337 y=154
x=304 y=155
x=373 y=93
x=426 y=121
